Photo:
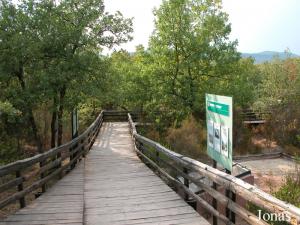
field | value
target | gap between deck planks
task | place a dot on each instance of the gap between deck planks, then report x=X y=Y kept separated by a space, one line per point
x=111 y=186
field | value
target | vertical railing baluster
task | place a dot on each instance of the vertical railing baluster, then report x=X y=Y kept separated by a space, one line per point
x=82 y=143
x=42 y=163
x=157 y=157
x=85 y=146
x=141 y=147
x=71 y=156
x=89 y=141
x=58 y=156
x=229 y=214
x=20 y=188
x=214 y=201
x=186 y=183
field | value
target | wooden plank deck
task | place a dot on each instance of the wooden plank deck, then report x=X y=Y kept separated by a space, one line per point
x=61 y=204
x=111 y=186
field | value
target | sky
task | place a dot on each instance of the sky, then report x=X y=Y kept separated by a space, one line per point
x=258 y=25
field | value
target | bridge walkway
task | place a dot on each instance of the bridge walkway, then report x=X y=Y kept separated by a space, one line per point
x=61 y=204
x=110 y=186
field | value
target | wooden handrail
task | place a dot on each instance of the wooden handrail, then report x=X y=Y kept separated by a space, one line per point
x=251 y=115
x=50 y=165
x=236 y=185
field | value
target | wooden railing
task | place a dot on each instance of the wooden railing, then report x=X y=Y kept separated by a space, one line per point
x=118 y=116
x=115 y=115
x=255 y=117
x=32 y=174
x=170 y=164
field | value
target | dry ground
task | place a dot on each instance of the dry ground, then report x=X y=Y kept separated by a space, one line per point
x=269 y=174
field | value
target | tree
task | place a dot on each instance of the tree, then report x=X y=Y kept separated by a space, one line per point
x=50 y=51
x=279 y=94
x=241 y=84
x=191 y=47
x=19 y=48
x=133 y=74
x=86 y=29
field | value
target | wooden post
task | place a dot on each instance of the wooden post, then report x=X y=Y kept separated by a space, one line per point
x=214 y=201
x=89 y=142
x=86 y=144
x=83 y=147
x=42 y=163
x=186 y=183
x=61 y=174
x=229 y=214
x=157 y=157
x=140 y=147
x=20 y=188
x=72 y=156
x=232 y=215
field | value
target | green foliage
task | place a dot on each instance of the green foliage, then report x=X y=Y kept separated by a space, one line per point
x=280 y=83
x=279 y=93
x=191 y=52
x=189 y=139
x=6 y=108
x=9 y=120
x=290 y=191
x=50 y=59
x=87 y=113
x=51 y=63
x=133 y=76
x=241 y=84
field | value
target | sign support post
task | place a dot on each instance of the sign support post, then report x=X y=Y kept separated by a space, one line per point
x=214 y=201
x=219 y=139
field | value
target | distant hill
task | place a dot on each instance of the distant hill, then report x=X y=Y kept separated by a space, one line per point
x=261 y=57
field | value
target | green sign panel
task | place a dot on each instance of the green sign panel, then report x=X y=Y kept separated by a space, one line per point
x=218 y=108
x=219 y=129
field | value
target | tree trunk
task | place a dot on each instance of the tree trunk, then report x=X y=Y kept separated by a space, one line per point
x=191 y=90
x=53 y=124
x=60 y=115
x=36 y=135
x=46 y=128
x=28 y=109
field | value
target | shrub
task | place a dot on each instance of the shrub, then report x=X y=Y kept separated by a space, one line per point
x=242 y=136
x=290 y=191
x=189 y=139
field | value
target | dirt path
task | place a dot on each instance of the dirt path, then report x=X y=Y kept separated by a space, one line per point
x=269 y=174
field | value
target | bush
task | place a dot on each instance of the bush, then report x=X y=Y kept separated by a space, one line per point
x=242 y=136
x=279 y=93
x=189 y=139
x=290 y=191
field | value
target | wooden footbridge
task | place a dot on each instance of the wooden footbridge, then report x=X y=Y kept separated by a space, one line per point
x=112 y=175
x=253 y=117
